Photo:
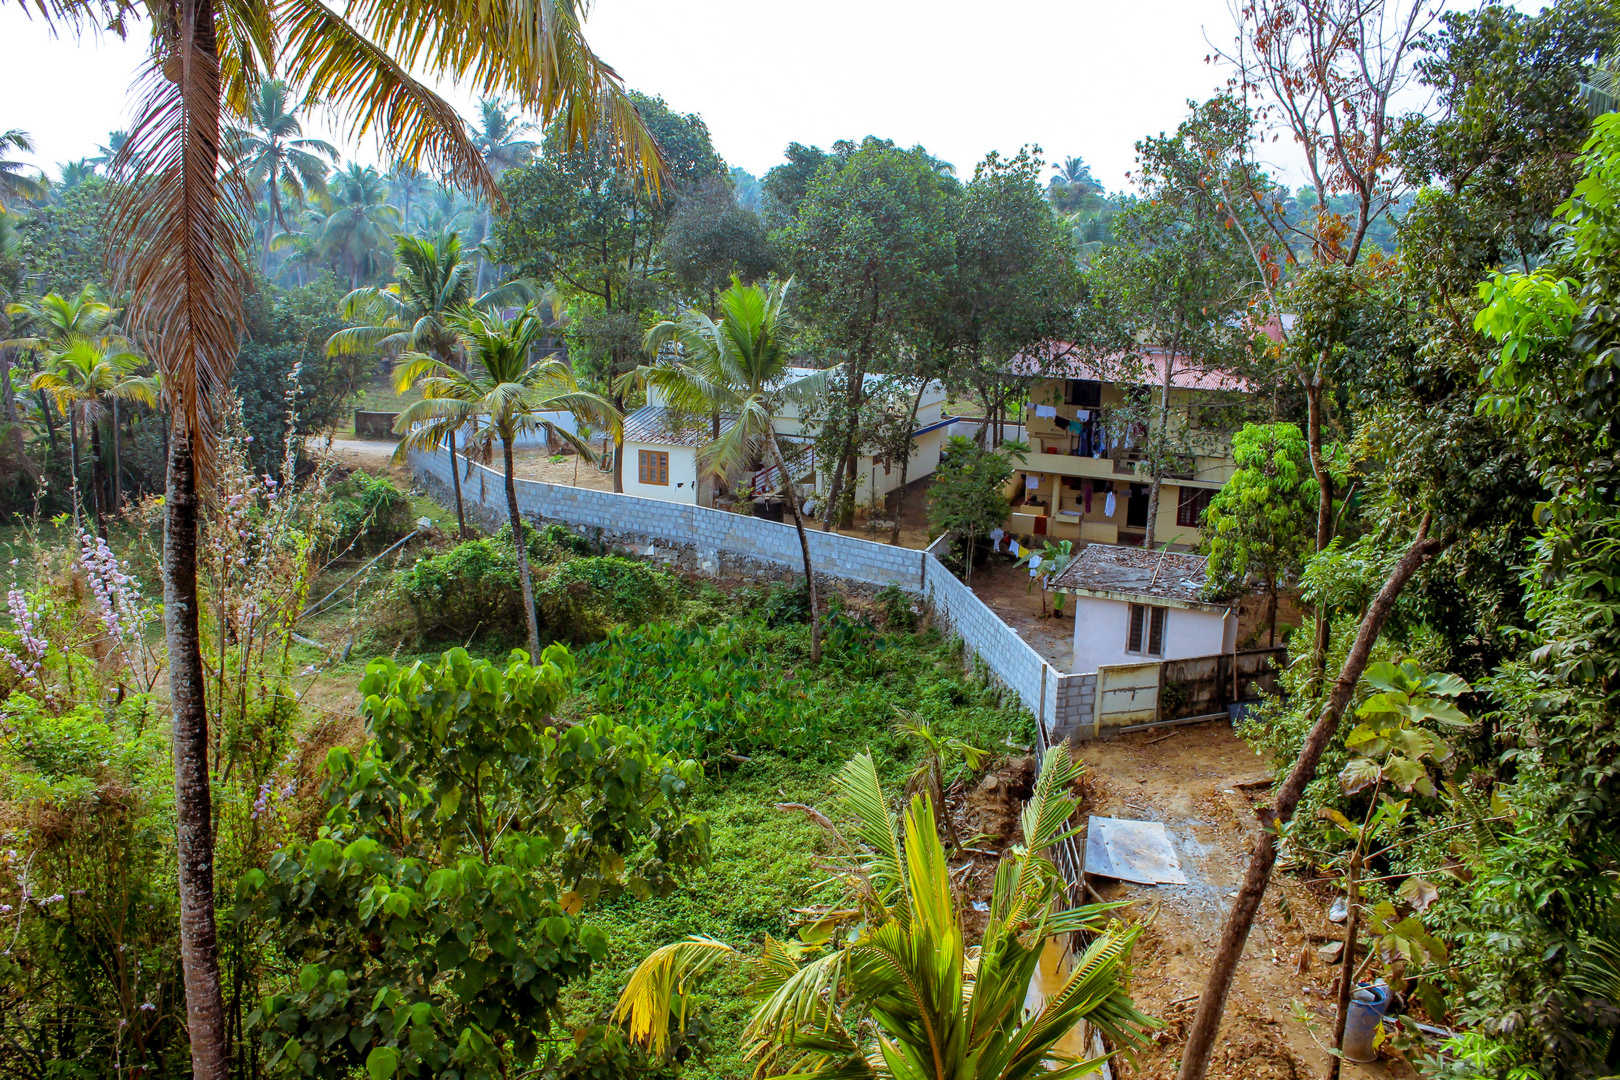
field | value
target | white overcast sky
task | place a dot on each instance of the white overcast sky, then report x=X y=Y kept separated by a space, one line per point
x=1085 y=77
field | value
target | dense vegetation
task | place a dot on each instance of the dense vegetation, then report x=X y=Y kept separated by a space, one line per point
x=454 y=874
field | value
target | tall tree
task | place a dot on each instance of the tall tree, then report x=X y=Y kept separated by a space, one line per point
x=183 y=228
x=276 y=155
x=503 y=392
x=414 y=314
x=355 y=232
x=870 y=242
x=576 y=221
x=738 y=366
x=1176 y=278
x=1329 y=74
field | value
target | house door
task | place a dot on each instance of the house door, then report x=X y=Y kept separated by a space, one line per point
x=1040 y=525
x=1136 y=509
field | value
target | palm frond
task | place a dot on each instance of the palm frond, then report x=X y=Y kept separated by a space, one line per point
x=860 y=797
x=656 y=991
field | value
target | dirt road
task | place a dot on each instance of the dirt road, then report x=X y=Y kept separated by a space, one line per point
x=1188 y=779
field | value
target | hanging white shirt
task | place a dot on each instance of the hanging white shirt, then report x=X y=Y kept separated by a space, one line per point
x=1108 y=505
x=995 y=539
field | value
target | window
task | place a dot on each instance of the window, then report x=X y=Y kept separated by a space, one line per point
x=1086 y=393
x=1145 y=634
x=1190 y=507
x=654 y=467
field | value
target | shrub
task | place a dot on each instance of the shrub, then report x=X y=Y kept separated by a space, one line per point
x=897 y=607
x=787 y=604
x=583 y=597
x=368 y=512
x=467 y=591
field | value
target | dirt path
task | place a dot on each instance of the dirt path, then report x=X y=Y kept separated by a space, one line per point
x=1005 y=590
x=1188 y=779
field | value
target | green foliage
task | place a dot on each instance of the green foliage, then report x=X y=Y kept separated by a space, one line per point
x=897 y=608
x=368 y=512
x=1262 y=523
x=435 y=919
x=90 y=973
x=695 y=691
x=584 y=597
x=968 y=494
x=465 y=592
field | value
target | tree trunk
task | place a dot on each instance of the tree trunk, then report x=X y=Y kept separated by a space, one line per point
x=792 y=499
x=1156 y=447
x=199 y=949
x=846 y=456
x=455 y=485
x=1271 y=611
x=1324 y=517
x=522 y=549
x=117 y=493
x=73 y=466
x=905 y=464
x=96 y=486
x=1211 y=1003
x=1347 y=974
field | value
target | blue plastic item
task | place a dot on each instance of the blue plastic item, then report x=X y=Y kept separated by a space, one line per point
x=1367 y=1007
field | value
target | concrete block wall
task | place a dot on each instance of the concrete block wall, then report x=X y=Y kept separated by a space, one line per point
x=711 y=539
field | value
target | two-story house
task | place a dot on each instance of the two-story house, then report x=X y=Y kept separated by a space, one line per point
x=1087 y=477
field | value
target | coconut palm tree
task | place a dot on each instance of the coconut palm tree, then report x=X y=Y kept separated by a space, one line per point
x=738 y=367
x=895 y=993
x=84 y=376
x=413 y=315
x=271 y=149
x=185 y=236
x=355 y=234
x=71 y=175
x=107 y=152
x=405 y=184
x=52 y=322
x=503 y=393
x=15 y=185
x=499 y=135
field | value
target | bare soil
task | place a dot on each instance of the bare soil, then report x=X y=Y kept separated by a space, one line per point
x=1188 y=778
x=1005 y=590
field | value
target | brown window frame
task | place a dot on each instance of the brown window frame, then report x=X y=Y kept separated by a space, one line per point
x=1145 y=630
x=658 y=476
x=1190 y=511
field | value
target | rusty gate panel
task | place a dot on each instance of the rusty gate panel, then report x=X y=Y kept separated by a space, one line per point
x=1127 y=695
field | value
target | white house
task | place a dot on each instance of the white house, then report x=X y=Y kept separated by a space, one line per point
x=1132 y=606
x=661 y=448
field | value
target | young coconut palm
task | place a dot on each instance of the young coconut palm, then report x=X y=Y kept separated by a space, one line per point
x=86 y=374
x=899 y=995
x=503 y=393
x=413 y=315
x=738 y=368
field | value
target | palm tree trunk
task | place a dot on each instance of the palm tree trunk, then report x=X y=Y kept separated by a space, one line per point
x=1212 y=1002
x=193 y=809
x=792 y=500
x=96 y=485
x=455 y=485
x=521 y=547
x=117 y=483
x=73 y=467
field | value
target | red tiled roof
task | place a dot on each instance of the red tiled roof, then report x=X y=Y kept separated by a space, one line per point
x=1060 y=360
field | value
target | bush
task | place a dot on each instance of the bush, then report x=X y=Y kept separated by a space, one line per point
x=583 y=597
x=897 y=607
x=786 y=605
x=368 y=512
x=467 y=591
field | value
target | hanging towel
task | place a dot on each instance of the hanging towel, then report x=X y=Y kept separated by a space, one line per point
x=1109 y=504
x=1046 y=412
x=1014 y=550
x=1034 y=565
x=995 y=539
x=1082 y=415
x=1063 y=422
x=1031 y=483
x=1085 y=486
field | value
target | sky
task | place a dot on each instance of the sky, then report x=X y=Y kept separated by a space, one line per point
x=1076 y=77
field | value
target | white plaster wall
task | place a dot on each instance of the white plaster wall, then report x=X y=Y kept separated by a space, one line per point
x=1099 y=633
x=924 y=461
x=682 y=472
x=1100 y=626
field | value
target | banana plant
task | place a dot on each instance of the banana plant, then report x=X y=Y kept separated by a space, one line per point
x=1055 y=556
x=889 y=988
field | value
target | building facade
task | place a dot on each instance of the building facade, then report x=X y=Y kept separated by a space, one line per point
x=1087 y=477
